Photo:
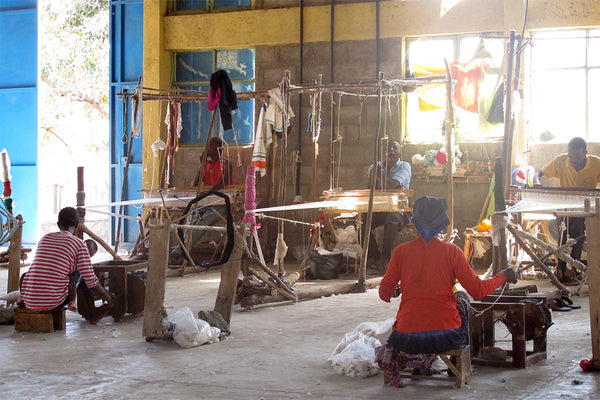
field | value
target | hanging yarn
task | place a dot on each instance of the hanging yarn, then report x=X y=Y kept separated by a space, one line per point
x=250 y=199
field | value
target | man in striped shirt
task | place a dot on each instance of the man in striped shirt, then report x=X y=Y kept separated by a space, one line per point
x=61 y=256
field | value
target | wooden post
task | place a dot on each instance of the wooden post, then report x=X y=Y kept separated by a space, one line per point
x=508 y=120
x=14 y=257
x=229 y=277
x=156 y=279
x=361 y=284
x=449 y=125
x=593 y=252
x=80 y=198
x=499 y=257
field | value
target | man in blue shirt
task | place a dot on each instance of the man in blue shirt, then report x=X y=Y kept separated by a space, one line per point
x=392 y=174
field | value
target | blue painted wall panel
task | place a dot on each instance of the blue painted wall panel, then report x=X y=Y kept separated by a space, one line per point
x=18 y=124
x=126 y=62
x=25 y=199
x=133 y=38
x=10 y=5
x=18 y=52
x=18 y=106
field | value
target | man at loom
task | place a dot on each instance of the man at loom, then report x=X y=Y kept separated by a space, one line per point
x=393 y=174
x=431 y=318
x=575 y=169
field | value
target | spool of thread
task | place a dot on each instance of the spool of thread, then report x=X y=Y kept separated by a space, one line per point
x=7 y=189
x=5 y=166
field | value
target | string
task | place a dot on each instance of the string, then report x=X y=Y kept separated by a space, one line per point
x=477 y=313
x=293 y=221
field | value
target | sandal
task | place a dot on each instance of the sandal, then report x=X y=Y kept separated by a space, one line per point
x=569 y=303
x=558 y=305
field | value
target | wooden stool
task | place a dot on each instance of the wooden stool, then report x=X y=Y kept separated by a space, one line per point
x=459 y=368
x=27 y=320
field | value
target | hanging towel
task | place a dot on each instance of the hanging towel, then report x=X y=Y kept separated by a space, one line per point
x=274 y=113
x=262 y=140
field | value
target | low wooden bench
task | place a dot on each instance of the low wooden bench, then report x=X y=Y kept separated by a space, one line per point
x=458 y=362
x=27 y=320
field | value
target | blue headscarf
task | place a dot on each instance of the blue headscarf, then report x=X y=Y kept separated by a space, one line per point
x=430 y=216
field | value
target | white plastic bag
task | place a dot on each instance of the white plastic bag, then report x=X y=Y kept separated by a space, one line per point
x=191 y=332
x=185 y=329
x=207 y=333
x=357 y=355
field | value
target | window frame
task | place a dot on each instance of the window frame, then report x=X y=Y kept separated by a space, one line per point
x=210 y=8
x=536 y=67
x=457 y=42
x=199 y=83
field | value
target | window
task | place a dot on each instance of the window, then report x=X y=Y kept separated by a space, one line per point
x=426 y=107
x=565 y=75
x=192 y=71
x=187 y=6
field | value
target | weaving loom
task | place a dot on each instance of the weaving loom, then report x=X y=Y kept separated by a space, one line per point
x=550 y=199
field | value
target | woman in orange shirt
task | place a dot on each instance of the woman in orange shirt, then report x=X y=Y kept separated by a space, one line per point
x=428 y=320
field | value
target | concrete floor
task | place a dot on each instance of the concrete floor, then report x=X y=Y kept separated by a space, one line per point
x=274 y=352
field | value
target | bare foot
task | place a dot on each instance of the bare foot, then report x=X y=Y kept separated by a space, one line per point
x=72 y=306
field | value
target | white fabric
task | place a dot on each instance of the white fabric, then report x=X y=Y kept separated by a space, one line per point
x=274 y=114
x=262 y=140
x=280 y=249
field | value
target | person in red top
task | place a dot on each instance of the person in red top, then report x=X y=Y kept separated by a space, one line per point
x=217 y=170
x=60 y=256
x=428 y=320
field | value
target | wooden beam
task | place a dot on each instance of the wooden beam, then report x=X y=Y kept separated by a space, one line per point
x=229 y=278
x=156 y=279
x=449 y=126
x=593 y=253
x=14 y=257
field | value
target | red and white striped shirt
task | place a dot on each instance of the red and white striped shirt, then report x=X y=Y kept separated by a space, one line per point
x=58 y=254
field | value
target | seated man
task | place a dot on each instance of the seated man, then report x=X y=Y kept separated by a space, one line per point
x=575 y=169
x=393 y=174
x=51 y=280
x=428 y=321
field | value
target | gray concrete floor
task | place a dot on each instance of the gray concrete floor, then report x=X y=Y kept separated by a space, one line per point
x=275 y=352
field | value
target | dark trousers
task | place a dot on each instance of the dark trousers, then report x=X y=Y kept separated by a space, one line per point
x=392 y=223
x=575 y=228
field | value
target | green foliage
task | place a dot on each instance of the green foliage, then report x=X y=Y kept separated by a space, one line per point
x=74 y=52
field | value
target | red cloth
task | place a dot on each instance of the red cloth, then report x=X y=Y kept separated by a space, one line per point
x=214 y=96
x=213 y=173
x=468 y=79
x=7 y=189
x=58 y=254
x=427 y=272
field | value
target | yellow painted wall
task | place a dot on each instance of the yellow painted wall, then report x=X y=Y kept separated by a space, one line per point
x=157 y=74
x=356 y=21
